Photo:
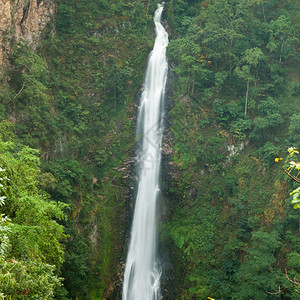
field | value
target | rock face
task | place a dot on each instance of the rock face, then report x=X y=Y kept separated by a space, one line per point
x=22 y=19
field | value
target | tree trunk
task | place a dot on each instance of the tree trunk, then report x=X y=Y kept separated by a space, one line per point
x=281 y=48
x=263 y=10
x=247 y=92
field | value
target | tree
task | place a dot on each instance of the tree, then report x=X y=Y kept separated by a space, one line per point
x=256 y=273
x=31 y=253
x=295 y=284
x=268 y=118
x=291 y=168
x=282 y=37
x=248 y=71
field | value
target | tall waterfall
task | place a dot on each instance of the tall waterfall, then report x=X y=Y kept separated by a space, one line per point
x=142 y=271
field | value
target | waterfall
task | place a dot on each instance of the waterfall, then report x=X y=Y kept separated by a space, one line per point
x=142 y=270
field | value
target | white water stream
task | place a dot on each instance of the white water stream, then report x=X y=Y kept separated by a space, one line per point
x=142 y=271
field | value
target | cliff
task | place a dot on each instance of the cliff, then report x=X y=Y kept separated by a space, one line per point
x=22 y=19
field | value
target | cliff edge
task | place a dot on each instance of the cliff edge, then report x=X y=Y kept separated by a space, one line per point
x=22 y=19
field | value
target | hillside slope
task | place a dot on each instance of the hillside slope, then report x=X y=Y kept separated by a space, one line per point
x=228 y=229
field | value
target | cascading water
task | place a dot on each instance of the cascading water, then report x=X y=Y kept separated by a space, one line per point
x=142 y=271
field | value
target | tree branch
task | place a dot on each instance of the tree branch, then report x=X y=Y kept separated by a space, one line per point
x=279 y=290
x=20 y=91
x=290 y=280
x=286 y=172
x=293 y=177
x=294 y=282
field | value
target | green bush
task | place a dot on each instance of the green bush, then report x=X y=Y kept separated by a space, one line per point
x=267 y=153
x=269 y=119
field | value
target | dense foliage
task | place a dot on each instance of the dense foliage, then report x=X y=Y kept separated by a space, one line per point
x=31 y=253
x=74 y=100
x=236 y=106
x=228 y=225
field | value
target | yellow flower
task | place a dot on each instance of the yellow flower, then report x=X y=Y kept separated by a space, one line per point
x=292 y=151
x=277 y=159
x=294 y=165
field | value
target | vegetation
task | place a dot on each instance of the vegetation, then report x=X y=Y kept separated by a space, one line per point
x=293 y=172
x=74 y=100
x=31 y=253
x=232 y=228
x=67 y=135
